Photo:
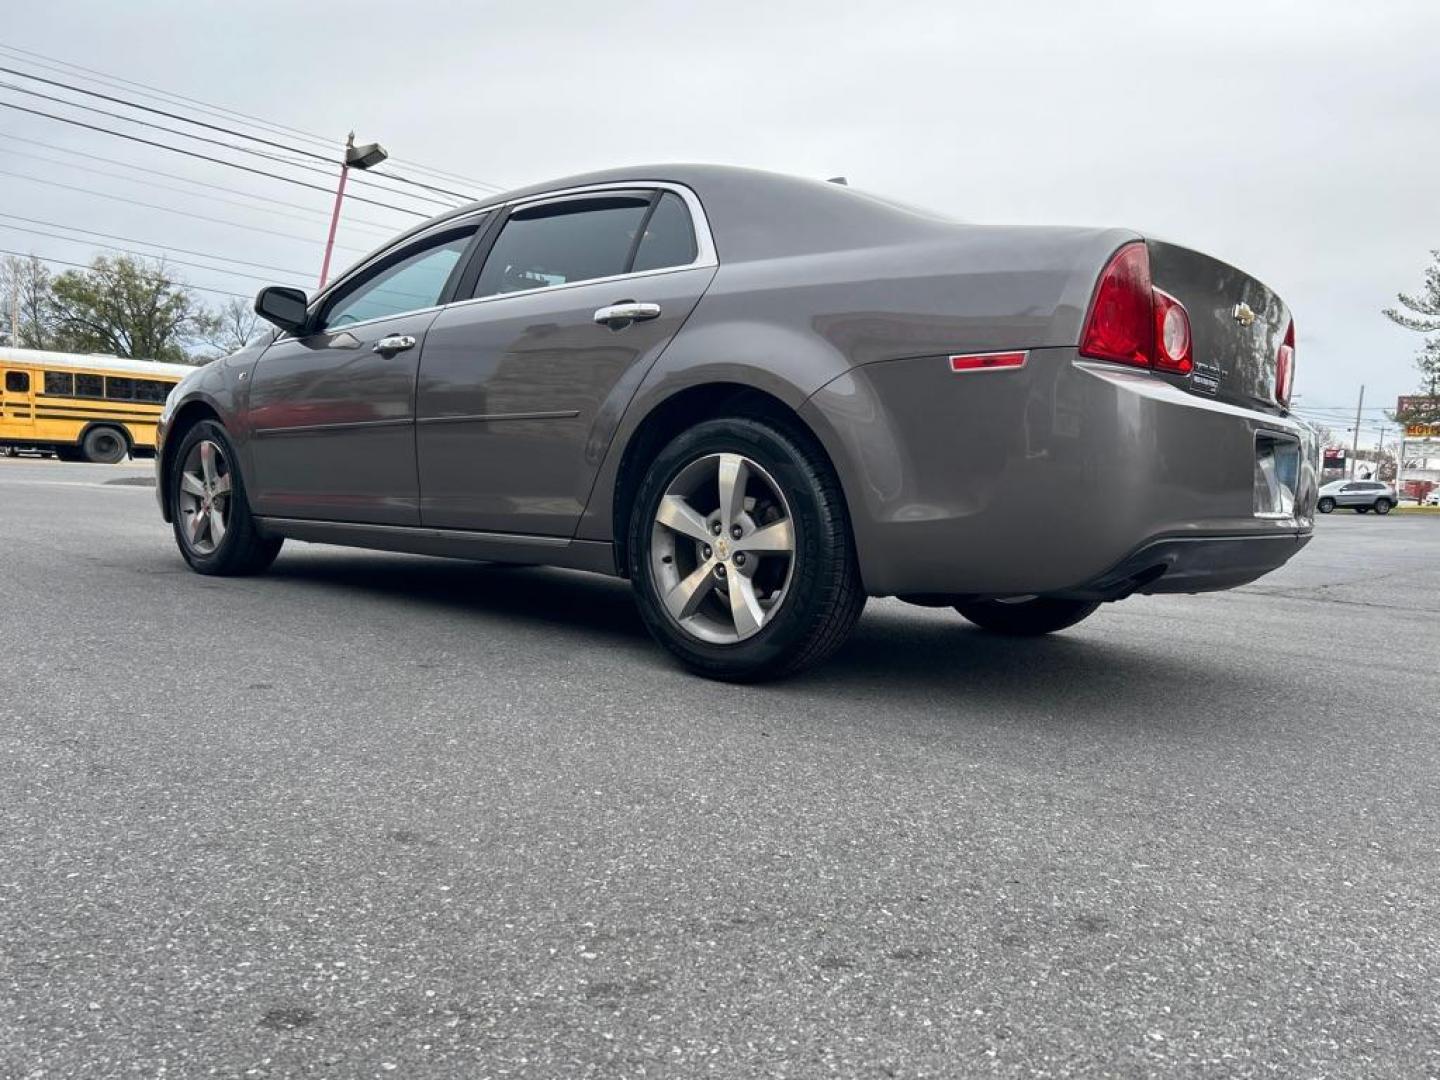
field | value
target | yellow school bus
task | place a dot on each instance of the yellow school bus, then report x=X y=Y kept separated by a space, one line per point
x=82 y=407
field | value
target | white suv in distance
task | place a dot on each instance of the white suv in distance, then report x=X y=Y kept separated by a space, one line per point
x=1362 y=496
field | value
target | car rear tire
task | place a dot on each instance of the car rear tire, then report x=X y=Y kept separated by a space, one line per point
x=1027 y=618
x=740 y=552
x=1382 y=506
x=105 y=446
x=1325 y=505
x=214 y=529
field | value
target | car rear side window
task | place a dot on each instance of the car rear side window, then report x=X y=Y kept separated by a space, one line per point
x=669 y=238
x=17 y=382
x=563 y=242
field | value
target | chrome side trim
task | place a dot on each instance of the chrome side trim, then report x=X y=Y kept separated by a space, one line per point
x=465 y=418
x=311 y=429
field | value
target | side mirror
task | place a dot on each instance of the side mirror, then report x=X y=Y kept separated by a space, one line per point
x=285 y=307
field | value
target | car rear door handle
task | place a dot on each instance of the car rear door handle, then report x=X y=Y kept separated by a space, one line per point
x=389 y=346
x=620 y=315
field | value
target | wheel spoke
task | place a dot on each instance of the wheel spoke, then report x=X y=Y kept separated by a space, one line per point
x=685 y=598
x=192 y=484
x=196 y=525
x=745 y=606
x=221 y=485
x=217 y=526
x=676 y=514
x=775 y=539
x=207 y=462
x=733 y=473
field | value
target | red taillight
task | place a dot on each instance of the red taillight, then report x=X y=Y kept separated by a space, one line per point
x=1133 y=322
x=1172 y=334
x=1121 y=324
x=1285 y=367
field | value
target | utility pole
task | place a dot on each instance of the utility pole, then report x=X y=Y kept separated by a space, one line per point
x=14 y=310
x=1355 y=442
x=1400 y=463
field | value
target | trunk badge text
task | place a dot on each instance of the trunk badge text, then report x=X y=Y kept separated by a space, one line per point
x=1243 y=313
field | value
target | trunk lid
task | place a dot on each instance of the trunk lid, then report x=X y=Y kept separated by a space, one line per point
x=1235 y=346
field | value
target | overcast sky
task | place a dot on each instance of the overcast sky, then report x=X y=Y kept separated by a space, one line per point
x=1297 y=140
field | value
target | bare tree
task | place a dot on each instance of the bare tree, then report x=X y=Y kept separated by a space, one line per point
x=235 y=324
x=25 y=289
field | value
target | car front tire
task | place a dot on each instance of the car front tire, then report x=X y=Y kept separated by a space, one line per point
x=740 y=553
x=1325 y=505
x=214 y=529
x=1027 y=618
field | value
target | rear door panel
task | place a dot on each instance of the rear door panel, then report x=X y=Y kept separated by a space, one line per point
x=519 y=395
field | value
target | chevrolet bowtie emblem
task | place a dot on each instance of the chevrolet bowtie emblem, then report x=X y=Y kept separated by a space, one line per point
x=1243 y=313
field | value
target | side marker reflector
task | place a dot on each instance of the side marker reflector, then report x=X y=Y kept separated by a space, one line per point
x=995 y=361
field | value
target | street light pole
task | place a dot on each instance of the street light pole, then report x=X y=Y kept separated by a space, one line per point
x=1355 y=442
x=356 y=157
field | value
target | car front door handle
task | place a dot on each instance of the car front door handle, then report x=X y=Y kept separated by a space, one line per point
x=620 y=315
x=389 y=346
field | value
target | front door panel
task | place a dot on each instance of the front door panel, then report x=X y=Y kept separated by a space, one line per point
x=332 y=425
x=519 y=394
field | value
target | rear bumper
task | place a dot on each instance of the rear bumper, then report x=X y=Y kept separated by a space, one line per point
x=1064 y=477
x=1191 y=564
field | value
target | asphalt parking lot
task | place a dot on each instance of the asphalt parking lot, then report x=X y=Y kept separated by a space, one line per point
x=381 y=815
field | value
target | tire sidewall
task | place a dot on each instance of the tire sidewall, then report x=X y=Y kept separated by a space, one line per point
x=1325 y=505
x=101 y=432
x=206 y=429
x=1382 y=506
x=784 y=460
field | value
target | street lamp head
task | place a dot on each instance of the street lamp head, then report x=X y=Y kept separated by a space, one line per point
x=365 y=156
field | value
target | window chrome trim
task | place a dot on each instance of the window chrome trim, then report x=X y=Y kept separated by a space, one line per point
x=705 y=255
x=699 y=224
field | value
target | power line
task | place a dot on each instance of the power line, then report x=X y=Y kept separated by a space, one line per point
x=212 y=127
x=147 y=255
x=181 y=191
x=156 y=93
x=86 y=266
x=388 y=230
x=292 y=162
x=204 y=157
x=146 y=243
x=165 y=209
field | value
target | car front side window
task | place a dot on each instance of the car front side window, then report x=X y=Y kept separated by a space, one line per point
x=411 y=283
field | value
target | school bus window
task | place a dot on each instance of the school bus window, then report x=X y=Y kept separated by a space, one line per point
x=89 y=386
x=151 y=390
x=60 y=383
x=120 y=389
x=17 y=382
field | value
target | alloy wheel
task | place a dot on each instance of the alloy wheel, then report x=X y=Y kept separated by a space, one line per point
x=204 y=497
x=722 y=548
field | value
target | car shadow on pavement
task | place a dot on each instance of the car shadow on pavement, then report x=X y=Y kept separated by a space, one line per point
x=900 y=655
x=588 y=603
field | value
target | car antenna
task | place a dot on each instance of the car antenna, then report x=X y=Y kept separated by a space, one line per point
x=838 y=180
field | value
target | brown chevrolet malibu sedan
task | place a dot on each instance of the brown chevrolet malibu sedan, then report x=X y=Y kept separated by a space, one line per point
x=762 y=399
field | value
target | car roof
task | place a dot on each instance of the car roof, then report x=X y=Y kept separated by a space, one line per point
x=755 y=214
